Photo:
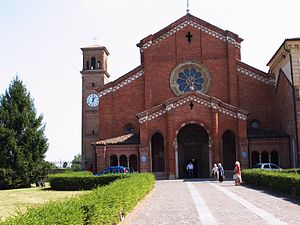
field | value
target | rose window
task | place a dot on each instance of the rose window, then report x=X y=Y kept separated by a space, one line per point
x=190 y=80
x=190 y=77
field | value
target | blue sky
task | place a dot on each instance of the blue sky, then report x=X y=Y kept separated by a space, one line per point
x=41 y=40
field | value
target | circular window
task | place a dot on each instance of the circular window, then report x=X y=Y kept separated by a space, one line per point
x=254 y=124
x=128 y=128
x=189 y=76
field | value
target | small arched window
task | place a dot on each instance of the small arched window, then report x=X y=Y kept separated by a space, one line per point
x=98 y=64
x=87 y=65
x=254 y=124
x=113 y=160
x=128 y=128
x=93 y=63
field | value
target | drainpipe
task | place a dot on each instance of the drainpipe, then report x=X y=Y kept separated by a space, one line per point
x=95 y=159
x=294 y=101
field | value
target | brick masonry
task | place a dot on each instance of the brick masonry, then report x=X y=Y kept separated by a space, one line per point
x=238 y=94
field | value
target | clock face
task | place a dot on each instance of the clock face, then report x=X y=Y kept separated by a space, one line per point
x=92 y=100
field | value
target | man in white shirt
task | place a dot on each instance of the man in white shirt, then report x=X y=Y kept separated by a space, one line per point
x=190 y=169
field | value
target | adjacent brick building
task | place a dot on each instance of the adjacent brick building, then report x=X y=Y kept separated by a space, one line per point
x=191 y=99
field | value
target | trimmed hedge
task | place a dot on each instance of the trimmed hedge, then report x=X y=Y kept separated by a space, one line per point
x=80 y=181
x=292 y=170
x=288 y=183
x=103 y=205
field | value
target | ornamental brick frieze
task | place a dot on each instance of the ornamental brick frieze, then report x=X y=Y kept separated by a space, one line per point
x=122 y=151
x=255 y=143
x=195 y=25
x=163 y=109
x=121 y=84
x=256 y=76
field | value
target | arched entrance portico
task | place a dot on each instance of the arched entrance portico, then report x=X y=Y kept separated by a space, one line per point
x=193 y=146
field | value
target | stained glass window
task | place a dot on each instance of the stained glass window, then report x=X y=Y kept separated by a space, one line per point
x=190 y=80
x=190 y=77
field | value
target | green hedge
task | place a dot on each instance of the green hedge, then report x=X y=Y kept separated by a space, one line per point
x=288 y=183
x=80 y=180
x=101 y=206
x=292 y=170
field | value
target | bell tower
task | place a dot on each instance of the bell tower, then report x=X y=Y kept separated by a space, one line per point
x=94 y=75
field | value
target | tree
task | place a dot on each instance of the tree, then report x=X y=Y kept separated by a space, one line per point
x=75 y=164
x=22 y=140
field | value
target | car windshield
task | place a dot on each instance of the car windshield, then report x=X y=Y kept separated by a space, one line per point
x=274 y=167
x=257 y=166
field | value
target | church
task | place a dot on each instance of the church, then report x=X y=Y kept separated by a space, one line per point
x=191 y=99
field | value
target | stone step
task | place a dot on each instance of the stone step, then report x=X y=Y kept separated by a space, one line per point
x=161 y=175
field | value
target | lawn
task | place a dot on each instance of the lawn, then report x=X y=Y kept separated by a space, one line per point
x=17 y=200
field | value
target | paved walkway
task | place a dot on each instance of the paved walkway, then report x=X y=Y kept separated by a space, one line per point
x=209 y=203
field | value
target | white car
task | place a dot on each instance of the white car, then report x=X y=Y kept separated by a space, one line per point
x=266 y=166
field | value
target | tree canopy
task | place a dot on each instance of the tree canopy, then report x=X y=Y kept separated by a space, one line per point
x=76 y=163
x=23 y=143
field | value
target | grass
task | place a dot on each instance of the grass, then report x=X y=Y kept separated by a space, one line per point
x=18 y=200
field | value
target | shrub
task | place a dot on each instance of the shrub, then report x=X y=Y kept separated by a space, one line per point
x=7 y=178
x=292 y=170
x=80 y=180
x=288 y=183
x=101 y=206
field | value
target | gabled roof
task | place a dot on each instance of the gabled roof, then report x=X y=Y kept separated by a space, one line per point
x=195 y=98
x=256 y=74
x=188 y=19
x=126 y=139
x=282 y=46
x=121 y=81
x=256 y=133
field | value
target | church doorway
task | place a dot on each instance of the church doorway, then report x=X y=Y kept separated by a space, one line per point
x=229 y=151
x=157 y=153
x=193 y=147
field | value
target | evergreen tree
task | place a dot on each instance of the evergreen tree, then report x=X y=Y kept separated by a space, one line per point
x=22 y=140
x=75 y=164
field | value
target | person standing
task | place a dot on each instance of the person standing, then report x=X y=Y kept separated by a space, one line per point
x=221 y=172
x=190 y=169
x=237 y=174
x=215 y=173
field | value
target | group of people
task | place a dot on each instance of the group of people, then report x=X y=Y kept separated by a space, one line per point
x=218 y=173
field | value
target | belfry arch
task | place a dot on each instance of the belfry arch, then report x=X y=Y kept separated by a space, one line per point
x=193 y=147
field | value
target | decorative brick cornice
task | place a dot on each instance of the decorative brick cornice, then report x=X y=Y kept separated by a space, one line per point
x=121 y=84
x=198 y=26
x=256 y=76
x=163 y=109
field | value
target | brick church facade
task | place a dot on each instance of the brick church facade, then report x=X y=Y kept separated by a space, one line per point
x=190 y=99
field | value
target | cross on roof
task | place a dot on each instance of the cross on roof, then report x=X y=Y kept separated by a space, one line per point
x=187 y=6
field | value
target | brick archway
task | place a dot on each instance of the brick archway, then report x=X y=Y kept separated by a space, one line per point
x=193 y=146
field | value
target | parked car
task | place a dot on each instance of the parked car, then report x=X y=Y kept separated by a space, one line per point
x=114 y=169
x=266 y=166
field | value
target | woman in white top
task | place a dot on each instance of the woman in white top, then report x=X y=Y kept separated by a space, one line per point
x=215 y=173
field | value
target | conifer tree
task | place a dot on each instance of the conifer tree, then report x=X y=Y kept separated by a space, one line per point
x=22 y=140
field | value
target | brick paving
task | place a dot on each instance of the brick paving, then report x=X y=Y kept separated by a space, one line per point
x=173 y=202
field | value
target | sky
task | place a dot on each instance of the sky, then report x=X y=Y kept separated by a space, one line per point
x=40 y=41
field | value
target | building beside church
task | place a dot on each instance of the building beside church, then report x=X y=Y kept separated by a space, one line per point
x=191 y=99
